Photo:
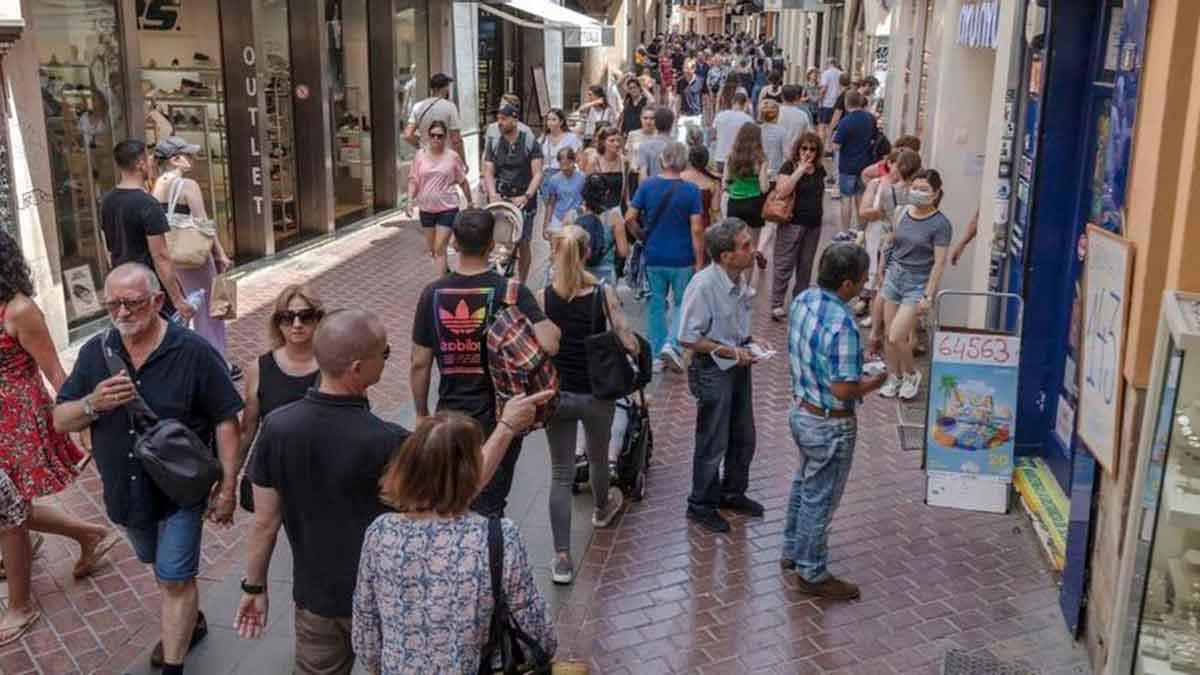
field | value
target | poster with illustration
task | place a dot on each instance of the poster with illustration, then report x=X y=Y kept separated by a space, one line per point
x=971 y=418
x=81 y=290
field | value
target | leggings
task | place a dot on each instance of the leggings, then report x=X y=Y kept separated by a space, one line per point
x=597 y=418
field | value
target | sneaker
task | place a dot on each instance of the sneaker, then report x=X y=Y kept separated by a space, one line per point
x=910 y=385
x=604 y=518
x=890 y=387
x=657 y=366
x=562 y=571
x=778 y=314
x=831 y=588
x=235 y=373
x=865 y=323
x=671 y=358
x=742 y=504
x=858 y=306
x=709 y=520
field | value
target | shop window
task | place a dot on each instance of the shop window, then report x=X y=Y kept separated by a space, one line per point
x=412 y=67
x=83 y=97
x=183 y=88
x=350 y=110
x=275 y=72
x=8 y=214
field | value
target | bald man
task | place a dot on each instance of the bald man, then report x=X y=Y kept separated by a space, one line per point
x=180 y=376
x=316 y=469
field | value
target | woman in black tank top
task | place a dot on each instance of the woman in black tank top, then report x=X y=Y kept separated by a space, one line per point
x=285 y=373
x=573 y=302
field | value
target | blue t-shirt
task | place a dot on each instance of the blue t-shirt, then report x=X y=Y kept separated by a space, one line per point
x=853 y=136
x=567 y=192
x=670 y=240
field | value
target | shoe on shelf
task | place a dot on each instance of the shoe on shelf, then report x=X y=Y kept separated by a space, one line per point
x=709 y=520
x=910 y=385
x=198 y=634
x=671 y=358
x=890 y=387
x=562 y=570
x=604 y=517
x=742 y=504
x=831 y=588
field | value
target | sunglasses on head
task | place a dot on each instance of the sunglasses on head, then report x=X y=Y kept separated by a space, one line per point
x=306 y=316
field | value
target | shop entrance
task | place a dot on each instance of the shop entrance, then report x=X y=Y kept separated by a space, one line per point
x=350 y=110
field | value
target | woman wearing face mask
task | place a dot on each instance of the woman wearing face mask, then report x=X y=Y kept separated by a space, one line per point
x=878 y=211
x=918 y=257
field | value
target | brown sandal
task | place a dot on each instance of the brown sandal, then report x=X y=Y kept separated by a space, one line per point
x=84 y=567
x=22 y=628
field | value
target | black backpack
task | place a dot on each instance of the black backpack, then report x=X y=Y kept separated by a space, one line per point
x=591 y=224
x=881 y=147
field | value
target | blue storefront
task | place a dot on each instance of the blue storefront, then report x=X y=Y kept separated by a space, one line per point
x=1073 y=142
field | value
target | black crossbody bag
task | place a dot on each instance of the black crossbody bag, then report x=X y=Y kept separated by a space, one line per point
x=507 y=643
x=610 y=373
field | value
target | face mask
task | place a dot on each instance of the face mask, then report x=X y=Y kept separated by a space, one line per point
x=920 y=198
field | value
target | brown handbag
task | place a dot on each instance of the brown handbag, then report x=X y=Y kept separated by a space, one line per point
x=777 y=209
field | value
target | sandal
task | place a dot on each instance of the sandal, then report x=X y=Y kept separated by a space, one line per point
x=35 y=544
x=21 y=629
x=84 y=567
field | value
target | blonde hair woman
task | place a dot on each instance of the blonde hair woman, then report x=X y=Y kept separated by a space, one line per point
x=570 y=301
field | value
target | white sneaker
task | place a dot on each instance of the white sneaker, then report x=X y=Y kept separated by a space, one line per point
x=910 y=385
x=890 y=387
x=604 y=518
x=671 y=359
x=865 y=323
x=657 y=366
x=562 y=571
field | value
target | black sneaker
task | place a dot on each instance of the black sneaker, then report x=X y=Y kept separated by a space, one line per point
x=198 y=634
x=709 y=520
x=742 y=504
x=235 y=373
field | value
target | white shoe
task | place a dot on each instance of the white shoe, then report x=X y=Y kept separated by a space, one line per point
x=604 y=518
x=671 y=359
x=657 y=366
x=910 y=385
x=865 y=323
x=890 y=387
x=562 y=571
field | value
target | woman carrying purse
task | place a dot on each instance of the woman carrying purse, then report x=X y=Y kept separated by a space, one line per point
x=802 y=178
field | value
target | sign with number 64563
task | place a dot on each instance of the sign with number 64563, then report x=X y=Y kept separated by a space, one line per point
x=997 y=350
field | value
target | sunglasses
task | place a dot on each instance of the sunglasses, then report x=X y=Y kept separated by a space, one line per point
x=808 y=148
x=306 y=316
x=131 y=304
x=437 y=135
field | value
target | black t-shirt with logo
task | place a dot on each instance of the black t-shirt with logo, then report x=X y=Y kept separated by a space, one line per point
x=452 y=319
x=128 y=217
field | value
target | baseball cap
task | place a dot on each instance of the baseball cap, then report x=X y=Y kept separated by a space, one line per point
x=440 y=80
x=508 y=110
x=174 y=145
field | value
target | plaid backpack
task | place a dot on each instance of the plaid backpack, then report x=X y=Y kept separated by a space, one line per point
x=517 y=362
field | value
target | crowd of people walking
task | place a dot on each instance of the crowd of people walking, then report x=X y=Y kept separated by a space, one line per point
x=679 y=182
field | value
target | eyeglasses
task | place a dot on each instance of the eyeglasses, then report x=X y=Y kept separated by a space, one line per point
x=306 y=316
x=808 y=148
x=130 y=304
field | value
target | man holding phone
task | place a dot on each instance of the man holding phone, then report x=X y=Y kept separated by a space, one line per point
x=715 y=324
x=826 y=358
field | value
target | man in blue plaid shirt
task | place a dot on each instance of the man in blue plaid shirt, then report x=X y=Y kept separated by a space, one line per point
x=825 y=353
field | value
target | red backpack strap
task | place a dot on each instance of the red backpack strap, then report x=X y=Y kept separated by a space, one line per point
x=511 y=292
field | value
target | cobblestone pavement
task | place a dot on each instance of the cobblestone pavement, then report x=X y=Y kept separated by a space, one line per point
x=653 y=594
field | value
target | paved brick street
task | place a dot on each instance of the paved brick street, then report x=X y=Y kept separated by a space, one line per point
x=653 y=594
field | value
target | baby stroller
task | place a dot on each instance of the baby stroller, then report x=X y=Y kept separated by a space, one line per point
x=637 y=447
x=510 y=222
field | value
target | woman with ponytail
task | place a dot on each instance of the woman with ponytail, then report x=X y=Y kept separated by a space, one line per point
x=570 y=301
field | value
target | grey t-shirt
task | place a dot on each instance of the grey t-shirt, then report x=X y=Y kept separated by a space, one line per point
x=915 y=239
x=649 y=150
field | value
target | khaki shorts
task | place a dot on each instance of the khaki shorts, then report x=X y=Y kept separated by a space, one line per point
x=323 y=644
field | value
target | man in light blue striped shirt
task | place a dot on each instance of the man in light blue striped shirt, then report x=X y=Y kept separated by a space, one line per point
x=825 y=354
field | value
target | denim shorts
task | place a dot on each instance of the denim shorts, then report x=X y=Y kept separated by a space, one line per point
x=850 y=185
x=438 y=218
x=825 y=115
x=903 y=286
x=174 y=546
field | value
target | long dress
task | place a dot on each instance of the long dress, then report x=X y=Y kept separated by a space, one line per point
x=39 y=460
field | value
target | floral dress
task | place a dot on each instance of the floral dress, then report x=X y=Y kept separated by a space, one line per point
x=39 y=460
x=423 y=601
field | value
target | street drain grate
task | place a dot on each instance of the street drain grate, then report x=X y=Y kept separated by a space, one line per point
x=912 y=437
x=958 y=662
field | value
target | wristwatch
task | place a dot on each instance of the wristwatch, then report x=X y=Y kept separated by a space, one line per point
x=253 y=589
x=89 y=409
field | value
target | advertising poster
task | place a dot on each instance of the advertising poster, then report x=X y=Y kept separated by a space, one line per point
x=971 y=420
x=81 y=290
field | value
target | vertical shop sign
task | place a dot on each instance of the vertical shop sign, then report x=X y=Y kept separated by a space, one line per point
x=246 y=136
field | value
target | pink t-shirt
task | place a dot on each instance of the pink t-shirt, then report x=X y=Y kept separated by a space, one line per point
x=435 y=180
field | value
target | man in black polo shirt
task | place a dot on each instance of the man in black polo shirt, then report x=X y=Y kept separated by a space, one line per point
x=316 y=469
x=181 y=377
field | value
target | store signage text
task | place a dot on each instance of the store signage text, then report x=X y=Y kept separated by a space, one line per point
x=250 y=59
x=979 y=25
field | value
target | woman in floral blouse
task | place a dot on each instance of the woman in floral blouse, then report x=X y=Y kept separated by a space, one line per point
x=423 y=602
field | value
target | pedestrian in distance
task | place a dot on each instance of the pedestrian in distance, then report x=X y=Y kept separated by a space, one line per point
x=35 y=460
x=853 y=141
x=596 y=113
x=715 y=325
x=802 y=177
x=728 y=123
x=811 y=96
x=564 y=194
x=830 y=84
x=435 y=173
x=424 y=600
x=578 y=303
x=450 y=328
x=826 y=360
x=747 y=183
x=918 y=257
x=633 y=144
x=556 y=138
x=512 y=171
x=437 y=108
x=689 y=102
x=794 y=116
x=667 y=216
x=602 y=263
x=697 y=174
x=634 y=103
x=181 y=377
x=607 y=161
x=650 y=149
x=883 y=197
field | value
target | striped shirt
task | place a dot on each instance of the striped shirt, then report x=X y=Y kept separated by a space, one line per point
x=824 y=347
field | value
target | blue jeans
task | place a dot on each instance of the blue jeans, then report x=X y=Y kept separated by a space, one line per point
x=826 y=452
x=173 y=547
x=664 y=330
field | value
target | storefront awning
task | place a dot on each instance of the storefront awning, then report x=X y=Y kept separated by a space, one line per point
x=579 y=30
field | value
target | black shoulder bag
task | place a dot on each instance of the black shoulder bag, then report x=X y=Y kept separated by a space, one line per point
x=179 y=463
x=610 y=372
x=509 y=650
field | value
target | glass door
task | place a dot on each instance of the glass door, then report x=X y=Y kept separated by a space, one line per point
x=350 y=110
x=275 y=72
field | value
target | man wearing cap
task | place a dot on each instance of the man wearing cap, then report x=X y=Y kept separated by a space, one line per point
x=437 y=107
x=135 y=225
x=512 y=170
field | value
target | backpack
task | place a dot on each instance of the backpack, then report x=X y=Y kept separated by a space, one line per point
x=881 y=147
x=596 y=236
x=517 y=363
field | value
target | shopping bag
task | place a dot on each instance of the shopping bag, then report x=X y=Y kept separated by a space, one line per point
x=222 y=302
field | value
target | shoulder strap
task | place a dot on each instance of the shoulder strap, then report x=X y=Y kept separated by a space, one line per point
x=173 y=199
x=432 y=102
x=512 y=292
x=662 y=206
x=495 y=539
x=137 y=409
x=601 y=298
